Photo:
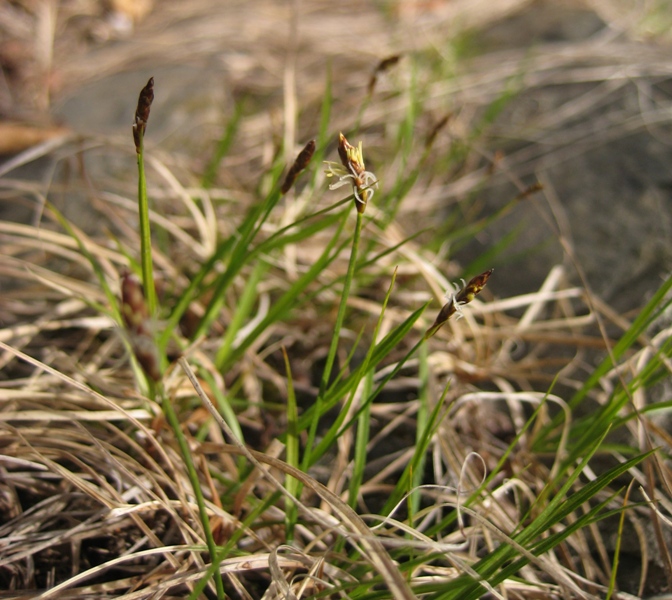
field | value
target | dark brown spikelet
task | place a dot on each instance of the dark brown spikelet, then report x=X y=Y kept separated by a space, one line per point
x=299 y=165
x=142 y=113
x=528 y=191
x=136 y=318
x=435 y=130
x=382 y=66
x=463 y=296
x=473 y=288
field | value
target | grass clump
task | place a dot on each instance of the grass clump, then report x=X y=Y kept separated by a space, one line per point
x=326 y=436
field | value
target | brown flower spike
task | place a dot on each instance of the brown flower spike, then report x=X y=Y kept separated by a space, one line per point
x=299 y=165
x=382 y=66
x=457 y=299
x=353 y=171
x=142 y=113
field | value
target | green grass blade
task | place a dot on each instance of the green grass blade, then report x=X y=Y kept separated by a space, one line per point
x=243 y=309
x=404 y=483
x=340 y=388
x=649 y=313
x=290 y=299
x=333 y=347
x=145 y=234
x=223 y=147
x=239 y=255
x=366 y=367
x=292 y=444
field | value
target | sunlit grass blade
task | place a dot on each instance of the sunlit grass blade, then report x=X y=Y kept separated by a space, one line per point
x=341 y=388
x=288 y=301
x=243 y=309
x=425 y=437
x=326 y=373
x=423 y=417
x=292 y=450
x=228 y=548
x=585 y=429
x=361 y=441
x=506 y=561
x=238 y=257
x=305 y=230
x=171 y=416
x=226 y=409
x=365 y=368
x=194 y=289
x=223 y=146
x=646 y=316
x=81 y=238
x=333 y=347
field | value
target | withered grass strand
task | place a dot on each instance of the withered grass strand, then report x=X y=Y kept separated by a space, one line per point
x=142 y=113
x=299 y=165
x=136 y=318
x=463 y=296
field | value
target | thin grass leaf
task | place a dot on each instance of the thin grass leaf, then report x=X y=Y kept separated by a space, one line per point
x=422 y=419
x=288 y=300
x=225 y=407
x=227 y=549
x=194 y=290
x=347 y=156
x=282 y=237
x=223 y=147
x=330 y=437
x=339 y=389
x=174 y=422
x=243 y=309
x=646 y=316
x=495 y=569
x=239 y=255
x=617 y=548
x=424 y=439
x=292 y=485
x=477 y=495
x=361 y=441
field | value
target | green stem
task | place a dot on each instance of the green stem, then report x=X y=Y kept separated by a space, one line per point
x=145 y=234
x=333 y=348
x=421 y=424
x=174 y=422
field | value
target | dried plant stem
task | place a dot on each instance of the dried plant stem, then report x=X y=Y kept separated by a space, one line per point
x=333 y=348
x=174 y=422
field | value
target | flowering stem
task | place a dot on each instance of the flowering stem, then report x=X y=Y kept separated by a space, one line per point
x=174 y=422
x=145 y=234
x=333 y=348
